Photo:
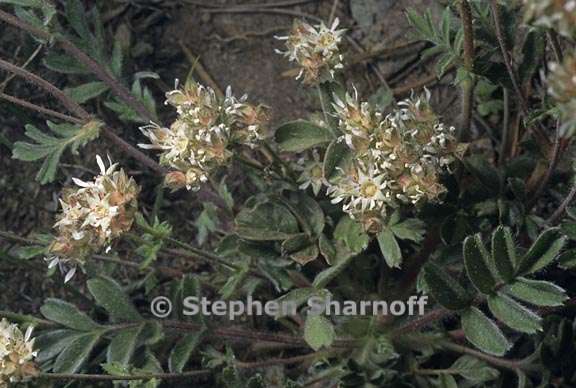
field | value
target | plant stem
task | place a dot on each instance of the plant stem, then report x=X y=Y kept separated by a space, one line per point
x=555 y=42
x=234 y=333
x=553 y=162
x=513 y=365
x=423 y=321
x=504 y=140
x=100 y=71
x=468 y=83
x=322 y=105
x=40 y=109
x=555 y=217
x=70 y=104
x=82 y=115
x=508 y=63
x=183 y=375
x=159 y=376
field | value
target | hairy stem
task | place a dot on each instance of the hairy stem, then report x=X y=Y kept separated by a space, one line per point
x=82 y=115
x=158 y=376
x=555 y=217
x=70 y=104
x=468 y=83
x=40 y=109
x=513 y=365
x=538 y=132
x=100 y=71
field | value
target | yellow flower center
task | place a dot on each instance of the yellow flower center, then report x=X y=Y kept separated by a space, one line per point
x=316 y=172
x=369 y=189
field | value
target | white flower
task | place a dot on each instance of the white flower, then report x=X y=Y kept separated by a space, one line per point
x=395 y=160
x=16 y=354
x=200 y=139
x=92 y=216
x=315 y=49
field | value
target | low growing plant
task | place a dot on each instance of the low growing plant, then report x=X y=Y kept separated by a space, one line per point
x=361 y=201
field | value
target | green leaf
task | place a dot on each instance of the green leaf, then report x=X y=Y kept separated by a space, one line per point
x=266 y=221
x=182 y=351
x=52 y=343
x=86 y=92
x=504 y=253
x=234 y=282
x=50 y=148
x=298 y=136
x=296 y=297
x=64 y=64
x=446 y=290
x=567 y=260
x=390 y=248
x=513 y=314
x=536 y=292
x=123 y=346
x=300 y=248
x=25 y=3
x=544 y=250
x=318 y=332
x=352 y=234
x=126 y=113
x=327 y=249
x=75 y=355
x=324 y=277
x=484 y=172
x=447 y=381
x=474 y=369
x=76 y=16
x=410 y=229
x=112 y=298
x=477 y=265
x=337 y=155
x=68 y=315
x=483 y=333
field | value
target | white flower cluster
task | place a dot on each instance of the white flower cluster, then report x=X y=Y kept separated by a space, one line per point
x=315 y=50
x=92 y=216
x=16 y=354
x=562 y=87
x=559 y=15
x=397 y=159
x=200 y=138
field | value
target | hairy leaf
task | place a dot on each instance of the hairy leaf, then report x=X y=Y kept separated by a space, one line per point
x=536 y=292
x=513 y=314
x=300 y=135
x=483 y=333
x=544 y=250
x=504 y=253
x=318 y=332
x=477 y=265
x=446 y=290
x=112 y=298
x=67 y=315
